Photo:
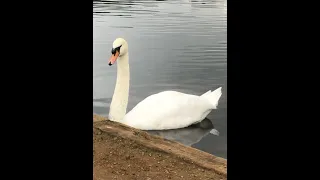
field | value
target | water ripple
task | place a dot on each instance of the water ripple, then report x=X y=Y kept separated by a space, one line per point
x=178 y=45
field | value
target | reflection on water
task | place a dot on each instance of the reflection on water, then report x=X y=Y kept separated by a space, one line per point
x=187 y=136
x=174 y=45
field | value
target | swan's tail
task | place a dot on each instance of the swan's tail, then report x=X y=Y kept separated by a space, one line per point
x=205 y=94
x=214 y=132
x=213 y=97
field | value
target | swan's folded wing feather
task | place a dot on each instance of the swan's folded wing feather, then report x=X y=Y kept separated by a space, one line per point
x=167 y=110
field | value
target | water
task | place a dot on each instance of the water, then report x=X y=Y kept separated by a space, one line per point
x=174 y=45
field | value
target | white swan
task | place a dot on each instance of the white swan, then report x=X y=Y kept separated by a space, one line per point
x=161 y=111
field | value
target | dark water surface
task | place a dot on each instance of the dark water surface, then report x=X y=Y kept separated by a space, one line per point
x=174 y=45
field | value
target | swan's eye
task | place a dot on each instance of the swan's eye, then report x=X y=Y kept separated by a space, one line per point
x=114 y=50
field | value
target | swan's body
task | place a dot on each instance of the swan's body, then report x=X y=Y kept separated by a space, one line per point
x=170 y=110
x=164 y=110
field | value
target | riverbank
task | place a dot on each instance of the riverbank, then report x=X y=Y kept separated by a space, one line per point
x=121 y=152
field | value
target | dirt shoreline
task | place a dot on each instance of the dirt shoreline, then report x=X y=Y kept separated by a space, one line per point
x=121 y=152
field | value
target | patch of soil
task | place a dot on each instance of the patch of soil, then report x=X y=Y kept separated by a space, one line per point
x=121 y=152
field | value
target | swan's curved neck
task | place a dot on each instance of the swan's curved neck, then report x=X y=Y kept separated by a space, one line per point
x=120 y=97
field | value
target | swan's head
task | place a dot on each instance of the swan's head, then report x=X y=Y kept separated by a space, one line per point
x=119 y=48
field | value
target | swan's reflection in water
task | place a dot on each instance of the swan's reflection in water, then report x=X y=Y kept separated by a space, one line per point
x=189 y=135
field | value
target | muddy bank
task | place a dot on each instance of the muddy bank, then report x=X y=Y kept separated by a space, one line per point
x=121 y=152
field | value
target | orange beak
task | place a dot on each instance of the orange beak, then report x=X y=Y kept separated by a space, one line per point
x=113 y=58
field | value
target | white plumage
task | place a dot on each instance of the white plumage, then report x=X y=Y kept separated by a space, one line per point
x=171 y=110
x=164 y=110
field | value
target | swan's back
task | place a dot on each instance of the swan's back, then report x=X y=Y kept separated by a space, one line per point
x=168 y=110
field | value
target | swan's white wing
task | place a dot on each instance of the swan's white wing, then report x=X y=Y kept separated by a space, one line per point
x=168 y=110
